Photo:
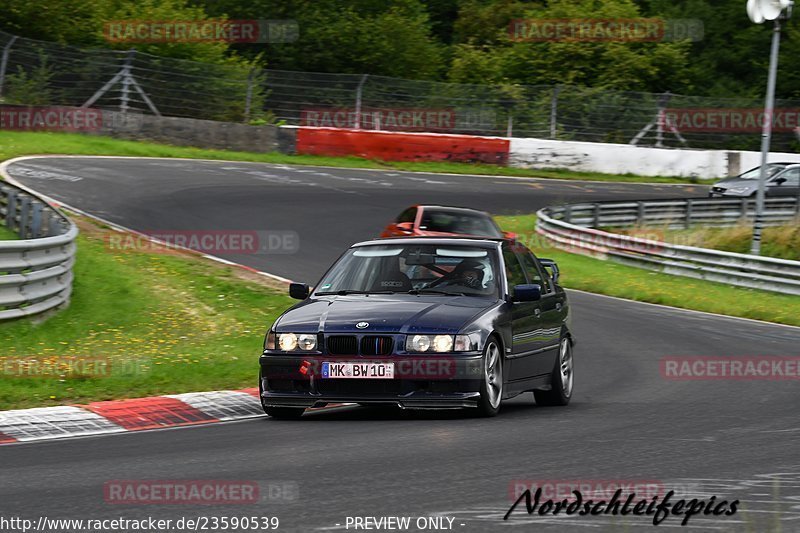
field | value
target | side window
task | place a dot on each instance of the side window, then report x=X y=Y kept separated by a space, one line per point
x=792 y=178
x=514 y=272
x=535 y=274
x=408 y=215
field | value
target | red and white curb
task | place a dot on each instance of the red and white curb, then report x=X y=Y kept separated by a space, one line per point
x=117 y=416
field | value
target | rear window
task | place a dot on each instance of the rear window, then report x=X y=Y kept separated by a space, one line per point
x=454 y=222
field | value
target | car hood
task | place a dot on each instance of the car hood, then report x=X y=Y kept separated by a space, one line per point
x=734 y=182
x=384 y=314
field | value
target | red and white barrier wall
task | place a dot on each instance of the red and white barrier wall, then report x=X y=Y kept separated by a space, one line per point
x=528 y=153
x=401 y=146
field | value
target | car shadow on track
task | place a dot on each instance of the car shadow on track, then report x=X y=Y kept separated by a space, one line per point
x=522 y=406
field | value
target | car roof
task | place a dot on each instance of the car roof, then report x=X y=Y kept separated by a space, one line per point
x=481 y=242
x=450 y=208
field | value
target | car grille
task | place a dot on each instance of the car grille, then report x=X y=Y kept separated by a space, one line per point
x=375 y=345
x=342 y=345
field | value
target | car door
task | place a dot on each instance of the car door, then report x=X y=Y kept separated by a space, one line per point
x=790 y=186
x=553 y=310
x=526 y=322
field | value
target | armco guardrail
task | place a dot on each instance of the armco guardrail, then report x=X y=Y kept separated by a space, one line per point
x=574 y=228
x=35 y=271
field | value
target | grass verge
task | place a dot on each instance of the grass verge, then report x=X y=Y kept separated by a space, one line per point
x=612 y=279
x=140 y=323
x=779 y=241
x=15 y=144
x=7 y=235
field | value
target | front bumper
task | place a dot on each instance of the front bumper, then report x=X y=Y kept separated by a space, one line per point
x=421 y=382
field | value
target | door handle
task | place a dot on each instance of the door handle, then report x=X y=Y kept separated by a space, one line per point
x=537 y=312
x=558 y=306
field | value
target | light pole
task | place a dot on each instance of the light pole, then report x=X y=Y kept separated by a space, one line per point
x=759 y=11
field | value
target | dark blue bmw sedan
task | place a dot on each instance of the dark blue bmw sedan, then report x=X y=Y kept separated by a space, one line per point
x=423 y=323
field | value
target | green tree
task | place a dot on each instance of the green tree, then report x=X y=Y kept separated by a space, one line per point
x=488 y=48
x=381 y=37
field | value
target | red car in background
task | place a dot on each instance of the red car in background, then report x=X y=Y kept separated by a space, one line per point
x=443 y=221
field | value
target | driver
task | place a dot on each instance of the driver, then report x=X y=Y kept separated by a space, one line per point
x=468 y=273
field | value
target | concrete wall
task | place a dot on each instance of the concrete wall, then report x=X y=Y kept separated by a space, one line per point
x=625 y=158
x=197 y=133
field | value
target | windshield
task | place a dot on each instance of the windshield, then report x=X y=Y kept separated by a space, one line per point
x=414 y=268
x=755 y=173
x=459 y=222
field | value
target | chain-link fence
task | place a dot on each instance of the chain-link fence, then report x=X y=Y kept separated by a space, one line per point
x=42 y=73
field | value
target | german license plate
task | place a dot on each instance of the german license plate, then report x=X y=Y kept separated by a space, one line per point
x=358 y=370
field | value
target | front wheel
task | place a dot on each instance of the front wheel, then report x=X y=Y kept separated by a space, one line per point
x=492 y=384
x=284 y=413
x=561 y=380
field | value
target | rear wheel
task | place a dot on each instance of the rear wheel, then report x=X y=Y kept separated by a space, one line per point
x=562 y=378
x=492 y=384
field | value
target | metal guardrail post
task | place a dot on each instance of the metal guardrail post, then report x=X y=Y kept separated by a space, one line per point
x=596 y=215
x=689 y=208
x=4 y=62
x=36 y=219
x=640 y=213
x=568 y=213
x=24 y=216
x=11 y=211
x=248 y=99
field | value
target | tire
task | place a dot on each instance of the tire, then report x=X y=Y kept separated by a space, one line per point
x=492 y=383
x=284 y=413
x=562 y=379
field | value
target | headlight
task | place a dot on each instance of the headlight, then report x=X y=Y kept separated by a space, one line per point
x=288 y=341
x=442 y=343
x=439 y=343
x=307 y=342
x=418 y=343
x=304 y=342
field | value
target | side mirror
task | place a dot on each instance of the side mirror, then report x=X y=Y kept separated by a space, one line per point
x=552 y=267
x=510 y=235
x=298 y=291
x=527 y=293
x=779 y=181
x=405 y=227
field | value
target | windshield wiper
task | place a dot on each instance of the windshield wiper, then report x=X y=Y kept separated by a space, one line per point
x=436 y=291
x=345 y=292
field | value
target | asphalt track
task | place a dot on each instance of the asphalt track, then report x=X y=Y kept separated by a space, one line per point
x=730 y=439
